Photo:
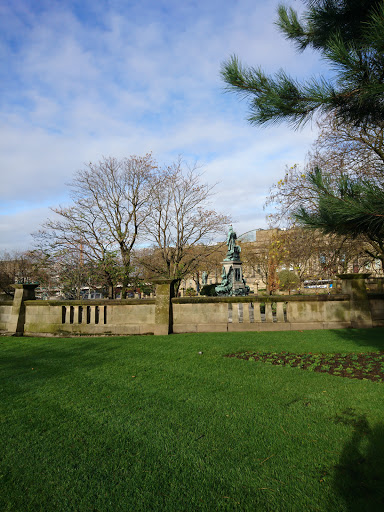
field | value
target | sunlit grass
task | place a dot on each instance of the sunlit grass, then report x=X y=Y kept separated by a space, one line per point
x=148 y=423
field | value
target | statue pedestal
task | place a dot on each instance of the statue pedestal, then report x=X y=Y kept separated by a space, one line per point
x=234 y=283
x=237 y=281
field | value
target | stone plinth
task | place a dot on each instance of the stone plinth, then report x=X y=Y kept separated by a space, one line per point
x=354 y=286
x=163 y=307
x=237 y=283
x=23 y=292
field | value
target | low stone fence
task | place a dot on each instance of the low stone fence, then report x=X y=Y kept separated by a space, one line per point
x=164 y=314
x=130 y=316
x=273 y=313
x=5 y=314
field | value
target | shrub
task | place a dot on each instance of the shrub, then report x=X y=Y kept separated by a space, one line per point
x=209 y=290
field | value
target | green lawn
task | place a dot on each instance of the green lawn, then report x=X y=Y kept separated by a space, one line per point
x=146 y=423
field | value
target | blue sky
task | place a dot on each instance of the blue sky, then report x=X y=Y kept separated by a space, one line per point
x=85 y=79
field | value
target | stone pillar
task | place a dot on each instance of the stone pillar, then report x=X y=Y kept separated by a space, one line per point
x=354 y=286
x=163 y=306
x=237 y=282
x=23 y=292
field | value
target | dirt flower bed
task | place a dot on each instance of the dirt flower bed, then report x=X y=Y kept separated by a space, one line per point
x=368 y=366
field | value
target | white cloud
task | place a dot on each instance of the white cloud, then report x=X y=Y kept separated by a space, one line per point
x=116 y=79
x=16 y=229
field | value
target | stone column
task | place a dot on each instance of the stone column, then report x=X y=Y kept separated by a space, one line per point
x=354 y=286
x=163 y=306
x=23 y=292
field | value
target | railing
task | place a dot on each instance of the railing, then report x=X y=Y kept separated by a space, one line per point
x=255 y=312
x=205 y=314
x=84 y=315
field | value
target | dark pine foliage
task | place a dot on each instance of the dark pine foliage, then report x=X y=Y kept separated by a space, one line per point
x=349 y=34
x=350 y=207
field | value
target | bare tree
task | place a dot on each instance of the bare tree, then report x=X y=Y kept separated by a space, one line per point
x=14 y=266
x=110 y=201
x=313 y=255
x=339 y=151
x=359 y=150
x=308 y=253
x=180 y=224
x=264 y=257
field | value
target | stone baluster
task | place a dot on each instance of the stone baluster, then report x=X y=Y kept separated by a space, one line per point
x=268 y=312
x=280 y=312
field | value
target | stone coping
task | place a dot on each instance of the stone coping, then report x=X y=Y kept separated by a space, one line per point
x=267 y=298
x=91 y=302
x=6 y=303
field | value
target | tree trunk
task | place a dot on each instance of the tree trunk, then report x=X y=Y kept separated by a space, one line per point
x=176 y=286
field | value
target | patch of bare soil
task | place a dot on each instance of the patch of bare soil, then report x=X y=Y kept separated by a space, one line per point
x=368 y=366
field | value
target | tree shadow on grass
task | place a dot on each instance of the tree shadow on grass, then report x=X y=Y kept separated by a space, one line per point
x=359 y=475
x=364 y=337
x=32 y=366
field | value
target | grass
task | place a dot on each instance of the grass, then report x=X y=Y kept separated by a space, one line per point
x=148 y=423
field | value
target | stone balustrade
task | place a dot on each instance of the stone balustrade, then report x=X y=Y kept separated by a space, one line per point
x=165 y=314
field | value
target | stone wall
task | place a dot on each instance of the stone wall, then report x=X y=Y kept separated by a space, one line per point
x=273 y=313
x=5 y=314
x=376 y=304
x=129 y=316
x=163 y=315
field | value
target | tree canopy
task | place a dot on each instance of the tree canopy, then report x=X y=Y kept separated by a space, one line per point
x=181 y=225
x=349 y=35
x=119 y=203
x=110 y=200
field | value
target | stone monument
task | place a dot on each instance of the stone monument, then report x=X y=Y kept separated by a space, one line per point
x=232 y=281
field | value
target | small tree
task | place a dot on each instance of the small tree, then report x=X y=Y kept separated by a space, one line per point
x=209 y=290
x=288 y=280
x=265 y=257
